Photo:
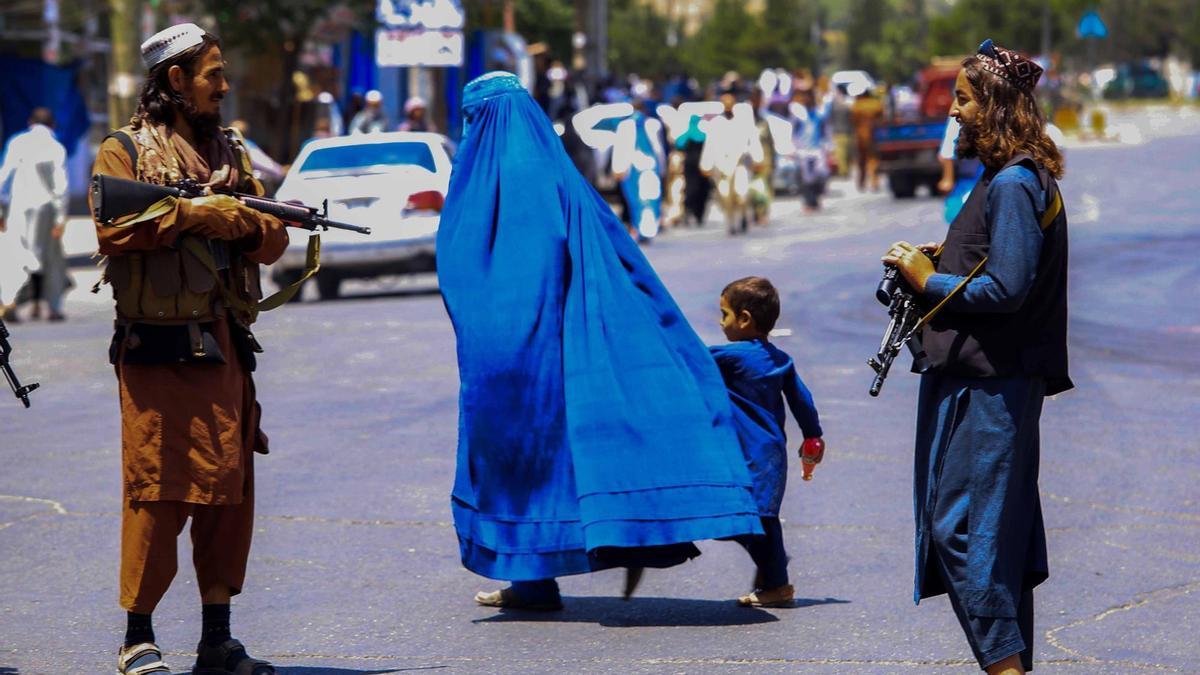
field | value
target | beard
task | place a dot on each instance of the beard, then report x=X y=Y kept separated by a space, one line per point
x=205 y=126
x=967 y=145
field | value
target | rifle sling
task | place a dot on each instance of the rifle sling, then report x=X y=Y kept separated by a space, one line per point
x=1047 y=218
x=312 y=263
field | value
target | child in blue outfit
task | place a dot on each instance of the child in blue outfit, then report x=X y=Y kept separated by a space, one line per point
x=760 y=377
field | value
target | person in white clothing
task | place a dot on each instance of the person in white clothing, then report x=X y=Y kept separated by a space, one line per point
x=35 y=177
x=732 y=149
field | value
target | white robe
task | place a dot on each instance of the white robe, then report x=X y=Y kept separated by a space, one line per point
x=33 y=180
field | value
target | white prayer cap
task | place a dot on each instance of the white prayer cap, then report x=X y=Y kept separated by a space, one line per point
x=374 y=96
x=171 y=42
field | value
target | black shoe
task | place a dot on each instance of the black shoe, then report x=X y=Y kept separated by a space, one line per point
x=216 y=659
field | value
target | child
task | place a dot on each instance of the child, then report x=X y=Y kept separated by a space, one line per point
x=759 y=377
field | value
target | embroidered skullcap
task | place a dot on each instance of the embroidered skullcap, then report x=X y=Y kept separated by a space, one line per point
x=171 y=42
x=1019 y=70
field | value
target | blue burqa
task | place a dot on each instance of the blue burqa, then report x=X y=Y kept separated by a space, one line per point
x=592 y=420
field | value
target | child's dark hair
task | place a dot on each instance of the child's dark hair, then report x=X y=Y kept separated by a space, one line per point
x=757 y=296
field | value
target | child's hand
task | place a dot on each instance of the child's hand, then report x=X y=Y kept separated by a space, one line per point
x=811 y=454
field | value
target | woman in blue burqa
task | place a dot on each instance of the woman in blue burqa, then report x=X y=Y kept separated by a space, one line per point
x=594 y=427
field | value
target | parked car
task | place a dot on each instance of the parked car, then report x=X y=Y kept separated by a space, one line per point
x=1137 y=80
x=395 y=183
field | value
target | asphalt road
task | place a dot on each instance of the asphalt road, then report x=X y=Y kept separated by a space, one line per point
x=355 y=567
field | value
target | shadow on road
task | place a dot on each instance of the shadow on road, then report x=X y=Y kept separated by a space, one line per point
x=9 y=671
x=321 y=670
x=652 y=612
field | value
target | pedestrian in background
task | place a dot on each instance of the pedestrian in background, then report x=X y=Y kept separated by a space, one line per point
x=416 y=116
x=185 y=277
x=997 y=350
x=697 y=187
x=594 y=430
x=731 y=149
x=810 y=140
x=34 y=169
x=865 y=115
x=371 y=119
x=16 y=261
x=841 y=128
x=762 y=191
x=638 y=161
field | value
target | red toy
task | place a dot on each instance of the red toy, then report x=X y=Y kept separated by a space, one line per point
x=811 y=454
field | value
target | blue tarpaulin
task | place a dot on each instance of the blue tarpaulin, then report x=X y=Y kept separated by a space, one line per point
x=26 y=84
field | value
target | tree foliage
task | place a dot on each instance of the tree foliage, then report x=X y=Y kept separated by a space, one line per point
x=638 y=40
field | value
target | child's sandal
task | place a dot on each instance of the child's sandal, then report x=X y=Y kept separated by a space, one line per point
x=784 y=596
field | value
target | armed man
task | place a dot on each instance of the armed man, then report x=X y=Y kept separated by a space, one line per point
x=185 y=276
x=996 y=341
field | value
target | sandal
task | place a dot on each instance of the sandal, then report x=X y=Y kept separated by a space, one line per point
x=784 y=596
x=141 y=659
x=214 y=660
x=505 y=598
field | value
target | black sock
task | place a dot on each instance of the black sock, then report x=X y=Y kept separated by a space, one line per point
x=215 y=624
x=137 y=629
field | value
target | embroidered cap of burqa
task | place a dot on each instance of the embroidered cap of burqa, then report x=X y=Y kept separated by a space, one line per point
x=592 y=419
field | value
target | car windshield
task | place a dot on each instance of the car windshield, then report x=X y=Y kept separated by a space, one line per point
x=347 y=157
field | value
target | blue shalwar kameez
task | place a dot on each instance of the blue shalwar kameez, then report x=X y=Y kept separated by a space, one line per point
x=760 y=378
x=979 y=531
x=594 y=428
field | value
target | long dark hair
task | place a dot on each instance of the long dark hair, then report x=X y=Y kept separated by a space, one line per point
x=158 y=102
x=1010 y=122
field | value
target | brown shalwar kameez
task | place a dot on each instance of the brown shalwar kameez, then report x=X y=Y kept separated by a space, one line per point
x=188 y=430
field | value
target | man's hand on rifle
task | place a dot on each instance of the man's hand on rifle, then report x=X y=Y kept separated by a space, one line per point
x=912 y=263
x=221 y=217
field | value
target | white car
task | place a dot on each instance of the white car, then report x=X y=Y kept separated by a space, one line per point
x=394 y=183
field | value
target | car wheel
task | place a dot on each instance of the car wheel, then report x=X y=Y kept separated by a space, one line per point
x=329 y=285
x=903 y=186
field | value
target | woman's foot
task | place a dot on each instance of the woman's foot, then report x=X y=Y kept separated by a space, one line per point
x=506 y=598
x=783 y=596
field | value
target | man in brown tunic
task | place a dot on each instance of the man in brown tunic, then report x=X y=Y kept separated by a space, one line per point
x=183 y=351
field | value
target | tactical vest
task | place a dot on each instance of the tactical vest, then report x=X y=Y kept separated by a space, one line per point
x=1031 y=341
x=176 y=285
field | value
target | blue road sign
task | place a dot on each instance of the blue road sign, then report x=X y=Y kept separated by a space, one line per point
x=1091 y=26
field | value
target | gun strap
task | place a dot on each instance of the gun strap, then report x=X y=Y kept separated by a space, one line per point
x=312 y=263
x=1048 y=217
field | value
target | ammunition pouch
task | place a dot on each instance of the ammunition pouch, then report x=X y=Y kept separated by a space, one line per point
x=162 y=286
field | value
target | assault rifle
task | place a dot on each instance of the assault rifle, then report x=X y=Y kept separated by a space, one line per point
x=114 y=198
x=903 y=329
x=21 y=392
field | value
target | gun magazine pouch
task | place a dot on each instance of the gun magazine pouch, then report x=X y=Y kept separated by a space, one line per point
x=165 y=285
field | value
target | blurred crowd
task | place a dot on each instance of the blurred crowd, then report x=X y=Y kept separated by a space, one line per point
x=662 y=152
